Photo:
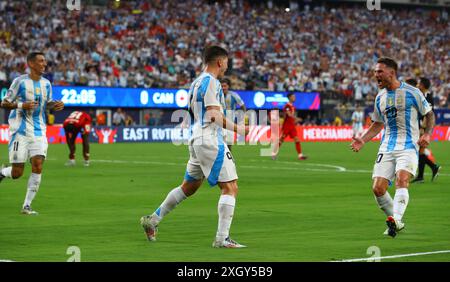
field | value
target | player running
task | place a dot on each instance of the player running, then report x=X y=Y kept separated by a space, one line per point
x=357 y=122
x=27 y=98
x=75 y=123
x=209 y=157
x=397 y=109
x=232 y=100
x=289 y=129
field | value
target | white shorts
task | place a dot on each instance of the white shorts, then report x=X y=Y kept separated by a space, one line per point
x=210 y=158
x=388 y=164
x=22 y=148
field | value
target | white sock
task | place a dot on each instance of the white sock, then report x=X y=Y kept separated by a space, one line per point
x=226 y=211
x=33 y=186
x=401 y=199
x=6 y=171
x=386 y=204
x=174 y=197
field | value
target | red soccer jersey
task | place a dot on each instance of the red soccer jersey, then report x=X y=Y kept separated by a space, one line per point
x=80 y=120
x=289 y=122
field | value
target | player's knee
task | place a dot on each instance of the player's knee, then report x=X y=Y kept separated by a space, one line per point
x=378 y=189
x=16 y=173
x=402 y=183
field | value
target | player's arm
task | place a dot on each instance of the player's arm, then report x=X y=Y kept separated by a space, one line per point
x=10 y=100
x=429 y=122
x=53 y=104
x=216 y=116
x=373 y=130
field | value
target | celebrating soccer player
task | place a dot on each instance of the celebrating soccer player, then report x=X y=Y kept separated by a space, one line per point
x=209 y=157
x=397 y=109
x=28 y=97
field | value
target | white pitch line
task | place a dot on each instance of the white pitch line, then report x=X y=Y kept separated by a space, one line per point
x=6 y=260
x=394 y=256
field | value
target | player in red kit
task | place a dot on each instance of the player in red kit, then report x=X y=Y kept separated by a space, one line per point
x=288 y=128
x=75 y=123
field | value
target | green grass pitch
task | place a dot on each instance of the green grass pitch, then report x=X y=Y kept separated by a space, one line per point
x=321 y=209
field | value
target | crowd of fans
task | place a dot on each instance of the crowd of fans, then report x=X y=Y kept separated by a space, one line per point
x=159 y=43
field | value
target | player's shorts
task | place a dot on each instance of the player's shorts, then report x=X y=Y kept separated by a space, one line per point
x=388 y=164
x=22 y=148
x=71 y=132
x=289 y=131
x=210 y=158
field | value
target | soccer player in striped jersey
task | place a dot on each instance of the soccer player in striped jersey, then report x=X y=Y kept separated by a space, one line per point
x=28 y=98
x=209 y=157
x=232 y=100
x=357 y=121
x=398 y=107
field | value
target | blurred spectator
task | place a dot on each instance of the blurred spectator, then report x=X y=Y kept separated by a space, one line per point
x=119 y=117
x=101 y=119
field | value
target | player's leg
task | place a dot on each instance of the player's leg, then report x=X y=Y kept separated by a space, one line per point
x=429 y=160
x=86 y=154
x=298 y=147
x=422 y=157
x=71 y=136
x=383 y=174
x=18 y=153
x=34 y=182
x=193 y=179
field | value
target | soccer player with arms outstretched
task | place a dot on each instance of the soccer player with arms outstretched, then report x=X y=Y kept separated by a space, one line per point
x=398 y=107
x=27 y=98
x=209 y=155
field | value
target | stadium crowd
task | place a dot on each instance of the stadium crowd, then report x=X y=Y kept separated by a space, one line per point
x=159 y=43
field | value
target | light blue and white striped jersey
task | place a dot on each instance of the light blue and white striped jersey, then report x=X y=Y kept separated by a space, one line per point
x=205 y=91
x=358 y=118
x=232 y=100
x=31 y=123
x=400 y=110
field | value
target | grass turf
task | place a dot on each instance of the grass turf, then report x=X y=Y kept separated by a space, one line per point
x=321 y=209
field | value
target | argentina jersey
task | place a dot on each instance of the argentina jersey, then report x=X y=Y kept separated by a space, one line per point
x=400 y=110
x=31 y=123
x=205 y=91
x=232 y=100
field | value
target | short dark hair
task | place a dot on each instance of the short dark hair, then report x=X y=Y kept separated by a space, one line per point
x=389 y=62
x=227 y=81
x=31 y=56
x=425 y=82
x=290 y=94
x=411 y=81
x=213 y=52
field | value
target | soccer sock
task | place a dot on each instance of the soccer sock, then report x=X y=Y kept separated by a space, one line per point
x=401 y=199
x=429 y=162
x=33 y=186
x=7 y=171
x=226 y=211
x=422 y=158
x=386 y=204
x=174 y=197
x=298 y=147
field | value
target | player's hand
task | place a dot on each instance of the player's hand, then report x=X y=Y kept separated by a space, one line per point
x=30 y=105
x=424 y=140
x=58 y=106
x=357 y=144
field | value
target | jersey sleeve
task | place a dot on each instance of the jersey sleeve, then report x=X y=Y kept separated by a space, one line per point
x=49 y=92
x=13 y=91
x=239 y=100
x=210 y=87
x=423 y=107
x=377 y=116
